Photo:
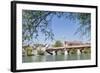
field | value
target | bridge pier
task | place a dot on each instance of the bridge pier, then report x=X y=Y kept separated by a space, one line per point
x=65 y=52
x=53 y=52
x=78 y=51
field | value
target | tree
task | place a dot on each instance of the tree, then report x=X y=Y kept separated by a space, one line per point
x=85 y=25
x=35 y=22
x=58 y=44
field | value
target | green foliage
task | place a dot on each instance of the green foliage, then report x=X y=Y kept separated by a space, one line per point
x=73 y=51
x=40 y=52
x=34 y=22
x=58 y=44
x=29 y=51
x=87 y=50
x=85 y=25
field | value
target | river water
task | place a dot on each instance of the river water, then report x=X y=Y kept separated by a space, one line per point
x=47 y=58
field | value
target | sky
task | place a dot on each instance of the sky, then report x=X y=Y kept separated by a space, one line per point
x=64 y=30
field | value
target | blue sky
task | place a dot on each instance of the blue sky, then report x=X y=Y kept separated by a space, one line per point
x=63 y=30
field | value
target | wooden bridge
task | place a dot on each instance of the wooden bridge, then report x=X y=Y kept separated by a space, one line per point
x=67 y=49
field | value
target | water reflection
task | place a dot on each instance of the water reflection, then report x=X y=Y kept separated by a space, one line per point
x=45 y=58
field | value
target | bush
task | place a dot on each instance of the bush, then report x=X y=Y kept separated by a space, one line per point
x=40 y=52
x=58 y=44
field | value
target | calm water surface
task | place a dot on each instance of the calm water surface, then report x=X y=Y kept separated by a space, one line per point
x=46 y=58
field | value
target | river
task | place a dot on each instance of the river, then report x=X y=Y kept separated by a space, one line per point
x=47 y=58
